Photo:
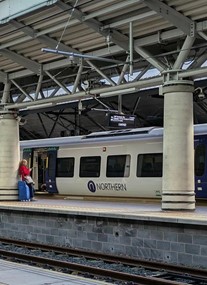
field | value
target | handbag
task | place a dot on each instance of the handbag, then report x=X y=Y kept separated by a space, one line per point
x=28 y=179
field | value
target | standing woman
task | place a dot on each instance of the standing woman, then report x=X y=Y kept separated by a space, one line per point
x=25 y=171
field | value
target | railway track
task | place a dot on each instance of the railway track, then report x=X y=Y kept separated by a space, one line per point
x=101 y=266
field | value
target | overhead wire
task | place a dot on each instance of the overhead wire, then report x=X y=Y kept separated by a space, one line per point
x=45 y=18
x=67 y=24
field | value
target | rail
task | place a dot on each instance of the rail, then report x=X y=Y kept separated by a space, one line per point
x=155 y=273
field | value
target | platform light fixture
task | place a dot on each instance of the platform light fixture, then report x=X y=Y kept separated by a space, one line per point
x=118 y=92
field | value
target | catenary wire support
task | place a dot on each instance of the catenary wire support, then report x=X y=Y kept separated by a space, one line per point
x=69 y=18
x=80 y=55
x=131 y=48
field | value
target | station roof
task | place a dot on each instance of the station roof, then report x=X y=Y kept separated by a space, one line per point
x=118 y=49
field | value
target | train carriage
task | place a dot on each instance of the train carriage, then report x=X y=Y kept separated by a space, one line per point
x=121 y=163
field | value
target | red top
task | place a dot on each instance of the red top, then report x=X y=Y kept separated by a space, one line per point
x=24 y=171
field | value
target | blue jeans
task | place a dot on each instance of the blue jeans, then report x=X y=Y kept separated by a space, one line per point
x=31 y=190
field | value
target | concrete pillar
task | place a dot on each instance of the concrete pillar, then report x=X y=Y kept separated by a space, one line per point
x=6 y=93
x=178 y=188
x=9 y=155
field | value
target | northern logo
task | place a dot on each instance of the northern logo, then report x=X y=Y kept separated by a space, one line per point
x=91 y=186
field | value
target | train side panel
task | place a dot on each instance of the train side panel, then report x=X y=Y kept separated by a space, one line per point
x=87 y=166
x=100 y=184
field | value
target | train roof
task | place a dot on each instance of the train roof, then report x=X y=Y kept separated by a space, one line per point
x=114 y=135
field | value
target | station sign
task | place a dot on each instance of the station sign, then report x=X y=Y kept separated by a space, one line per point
x=121 y=121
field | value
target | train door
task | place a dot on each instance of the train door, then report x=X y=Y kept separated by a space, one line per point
x=34 y=172
x=43 y=163
x=50 y=173
x=200 y=167
x=28 y=155
x=39 y=167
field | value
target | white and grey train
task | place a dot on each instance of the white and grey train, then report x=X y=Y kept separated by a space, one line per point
x=120 y=163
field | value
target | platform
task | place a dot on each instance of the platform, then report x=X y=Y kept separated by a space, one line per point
x=138 y=229
x=17 y=274
x=140 y=210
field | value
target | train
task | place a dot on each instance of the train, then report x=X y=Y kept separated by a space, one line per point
x=125 y=163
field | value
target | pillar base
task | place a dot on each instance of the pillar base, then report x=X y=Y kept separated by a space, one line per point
x=178 y=200
x=8 y=194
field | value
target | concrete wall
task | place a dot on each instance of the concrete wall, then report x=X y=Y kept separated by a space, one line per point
x=173 y=243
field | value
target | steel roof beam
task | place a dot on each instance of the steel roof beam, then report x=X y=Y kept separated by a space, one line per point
x=58 y=123
x=144 y=41
x=139 y=76
x=149 y=40
x=21 y=60
x=45 y=67
x=39 y=83
x=22 y=90
x=203 y=35
x=199 y=60
x=162 y=37
x=57 y=88
x=42 y=124
x=82 y=95
x=58 y=82
x=57 y=64
x=111 y=8
x=69 y=121
x=46 y=40
x=116 y=37
x=55 y=121
x=29 y=134
x=97 y=13
x=139 y=17
x=6 y=93
x=150 y=58
x=95 y=122
x=111 y=82
x=124 y=69
x=184 y=52
x=3 y=76
x=20 y=98
x=173 y=16
x=78 y=77
x=201 y=26
x=42 y=94
x=15 y=42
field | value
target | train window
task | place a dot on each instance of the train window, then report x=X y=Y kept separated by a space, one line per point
x=200 y=158
x=90 y=166
x=149 y=165
x=118 y=166
x=65 y=167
